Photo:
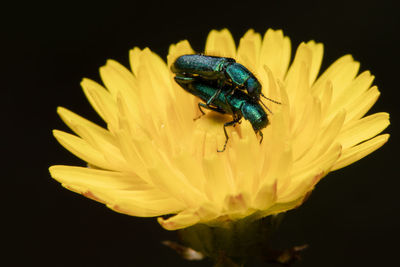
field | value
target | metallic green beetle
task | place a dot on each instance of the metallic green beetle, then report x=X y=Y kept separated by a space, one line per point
x=222 y=70
x=238 y=104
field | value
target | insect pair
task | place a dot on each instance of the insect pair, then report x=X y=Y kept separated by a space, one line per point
x=222 y=84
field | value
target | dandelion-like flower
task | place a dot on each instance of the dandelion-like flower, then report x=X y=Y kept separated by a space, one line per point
x=154 y=159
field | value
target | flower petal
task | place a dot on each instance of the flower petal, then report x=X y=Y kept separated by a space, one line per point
x=173 y=182
x=153 y=75
x=358 y=131
x=362 y=104
x=341 y=74
x=117 y=79
x=177 y=50
x=356 y=153
x=218 y=178
x=179 y=221
x=325 y=139
x=101 y=100
x=121 y=192
x=304 y=179
x=89 y=177
x=353 y=91
x=144 y=203
x=82 y=149
x=76 y=122
x=97 y=137
x=266 y=196
x=270 y=87
x=275 y=53
x=317 y=51
x=220 y=43
x=249 y=50
x=134 y=59
x=237 y=206
x=310 y=55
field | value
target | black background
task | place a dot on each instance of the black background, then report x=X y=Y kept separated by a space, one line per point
x=351 y=219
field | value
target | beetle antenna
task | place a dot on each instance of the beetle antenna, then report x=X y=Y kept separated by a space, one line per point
x=273 y=101
x=266 y=107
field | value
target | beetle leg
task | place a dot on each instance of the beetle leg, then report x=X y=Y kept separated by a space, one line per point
x=209 y=102
x=216 y=109
x=230 y=123
x=262 y=136
x=202 y=112
x=182 y=80
x=226 y=100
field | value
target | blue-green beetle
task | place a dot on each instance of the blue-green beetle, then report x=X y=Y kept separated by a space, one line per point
x=238 y=104
x=222 y=70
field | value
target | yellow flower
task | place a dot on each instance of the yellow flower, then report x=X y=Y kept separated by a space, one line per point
x=154 y=160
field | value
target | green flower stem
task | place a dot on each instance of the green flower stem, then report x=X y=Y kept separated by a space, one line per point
x=240 y=243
